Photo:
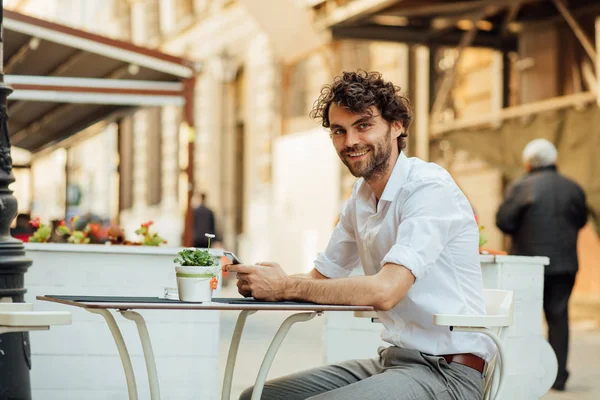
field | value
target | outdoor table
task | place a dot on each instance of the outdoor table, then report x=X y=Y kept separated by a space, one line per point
x=125 y=306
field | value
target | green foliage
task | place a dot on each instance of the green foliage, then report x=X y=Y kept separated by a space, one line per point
x=74 y=236
x=149 y=239
x=196 y=258
x=482 y=236
x=42 y=234
x=78 y=237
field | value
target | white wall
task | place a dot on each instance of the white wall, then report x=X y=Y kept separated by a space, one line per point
x=81 y=361
x=48 y=174
x=305 y=198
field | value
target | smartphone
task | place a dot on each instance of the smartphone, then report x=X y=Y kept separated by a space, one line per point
x=232 y=257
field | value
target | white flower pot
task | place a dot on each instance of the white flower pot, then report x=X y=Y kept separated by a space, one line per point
x=193 y=283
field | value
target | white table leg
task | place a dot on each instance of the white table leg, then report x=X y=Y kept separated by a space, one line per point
x=148 y=353
x=125 y=359
x=274 y=347
x=233 y=349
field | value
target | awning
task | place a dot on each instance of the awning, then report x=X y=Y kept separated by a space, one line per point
x=65 y=79
x=440 y=22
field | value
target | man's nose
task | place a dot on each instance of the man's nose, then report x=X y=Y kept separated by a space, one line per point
x=352 y=138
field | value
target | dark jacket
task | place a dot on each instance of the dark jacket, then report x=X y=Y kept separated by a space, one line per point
x=204 y=222
x=543 y=212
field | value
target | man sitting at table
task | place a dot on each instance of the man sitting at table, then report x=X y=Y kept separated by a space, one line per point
x=413 y=232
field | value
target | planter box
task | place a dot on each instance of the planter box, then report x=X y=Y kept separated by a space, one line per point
x=81 y=361
x=532 y=359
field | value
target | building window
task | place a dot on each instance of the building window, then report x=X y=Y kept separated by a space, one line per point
x=126 y=150
x=154 y=156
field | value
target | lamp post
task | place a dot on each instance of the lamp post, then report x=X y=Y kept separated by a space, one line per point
x=15 y=359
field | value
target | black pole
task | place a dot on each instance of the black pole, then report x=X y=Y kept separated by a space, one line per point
x=15 y=360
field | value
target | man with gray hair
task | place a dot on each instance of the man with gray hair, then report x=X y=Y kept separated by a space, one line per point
x=543 y=212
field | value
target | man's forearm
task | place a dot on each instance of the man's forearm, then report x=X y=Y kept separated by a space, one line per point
x=313 y=274
x=302 y=276
x=355 y=290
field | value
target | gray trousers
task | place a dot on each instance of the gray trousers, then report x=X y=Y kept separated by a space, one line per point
x=398 y=374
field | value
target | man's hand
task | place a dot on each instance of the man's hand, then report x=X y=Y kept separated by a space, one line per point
x=243 y=287
x=265 y=281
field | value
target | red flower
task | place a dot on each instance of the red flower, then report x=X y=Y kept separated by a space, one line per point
x=35 y=222
x=62 y=223
x=147 y=224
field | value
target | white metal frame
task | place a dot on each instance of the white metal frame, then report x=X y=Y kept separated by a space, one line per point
x=231 y=358
x=274 y=347
x=97 y=98
x=103 y=83
x=232 y=355
x=122 y=347
x=148 y=352
x=499 y=316
x=93 y=95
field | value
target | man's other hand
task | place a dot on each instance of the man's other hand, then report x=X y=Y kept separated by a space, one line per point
x=264 y=281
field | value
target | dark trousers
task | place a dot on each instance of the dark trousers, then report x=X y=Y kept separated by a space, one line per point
x=557 y=290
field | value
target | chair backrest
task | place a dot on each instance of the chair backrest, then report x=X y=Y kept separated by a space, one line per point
x=498 y=302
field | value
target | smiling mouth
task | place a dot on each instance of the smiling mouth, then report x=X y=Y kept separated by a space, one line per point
x=357 y=154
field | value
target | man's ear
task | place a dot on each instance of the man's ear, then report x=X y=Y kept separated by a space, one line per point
x=397 y=128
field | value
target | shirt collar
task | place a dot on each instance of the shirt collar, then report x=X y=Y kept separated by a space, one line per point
x=394 y=183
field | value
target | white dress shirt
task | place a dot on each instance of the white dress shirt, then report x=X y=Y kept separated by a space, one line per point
x=424 y=222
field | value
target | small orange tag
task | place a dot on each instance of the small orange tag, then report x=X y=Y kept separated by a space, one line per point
x=214 y=282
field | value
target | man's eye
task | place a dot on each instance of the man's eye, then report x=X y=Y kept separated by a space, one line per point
x=337 y=132
x=364 y=126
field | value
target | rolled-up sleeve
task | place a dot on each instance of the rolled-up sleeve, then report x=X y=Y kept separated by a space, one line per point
x=341 y=255
x=431 y=216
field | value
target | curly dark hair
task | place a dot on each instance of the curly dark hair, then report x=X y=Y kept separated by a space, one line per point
x=359 y=90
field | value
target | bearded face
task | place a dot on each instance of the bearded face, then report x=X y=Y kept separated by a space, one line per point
x=364 y=143
x=368 y=160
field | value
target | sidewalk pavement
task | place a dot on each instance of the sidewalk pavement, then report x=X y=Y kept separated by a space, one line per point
x=303 y=349
x=584 y=363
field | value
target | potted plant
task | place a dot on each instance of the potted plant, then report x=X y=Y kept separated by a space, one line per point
x=196 y=273
x=483 y=241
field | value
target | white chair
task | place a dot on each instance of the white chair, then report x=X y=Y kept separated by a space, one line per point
x=20 y=317
x=499 y=307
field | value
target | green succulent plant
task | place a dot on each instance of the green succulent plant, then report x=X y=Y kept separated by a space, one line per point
x=195 y=258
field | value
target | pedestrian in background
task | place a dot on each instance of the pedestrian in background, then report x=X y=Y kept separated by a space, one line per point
x=204 y=222
x=543 y=212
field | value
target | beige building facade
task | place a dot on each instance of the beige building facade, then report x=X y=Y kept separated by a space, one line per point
x=269 y=172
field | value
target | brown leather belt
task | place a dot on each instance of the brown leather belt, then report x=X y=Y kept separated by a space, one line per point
x=467 y=359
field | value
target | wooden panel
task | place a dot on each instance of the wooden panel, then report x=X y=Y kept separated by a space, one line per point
x=539 y=79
